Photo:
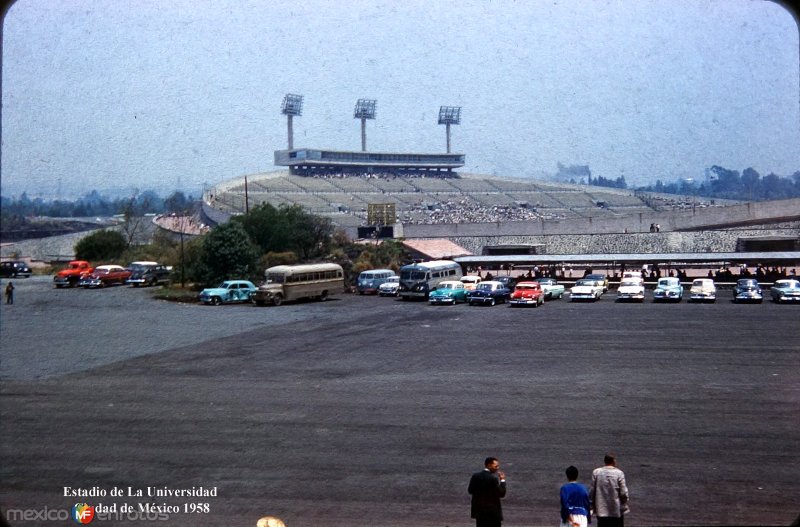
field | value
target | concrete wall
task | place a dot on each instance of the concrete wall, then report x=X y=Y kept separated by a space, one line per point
x=662 y=242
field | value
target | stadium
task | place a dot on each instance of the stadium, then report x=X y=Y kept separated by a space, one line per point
x=424 y=196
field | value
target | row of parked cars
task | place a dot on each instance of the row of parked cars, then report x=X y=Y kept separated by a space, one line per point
x=79 y=273
x=533 y=292
x=670 y=289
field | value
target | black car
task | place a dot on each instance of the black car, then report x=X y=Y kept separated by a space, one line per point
x=148 y=273
x=508 y=281
x=748 y=290
x=14 y=270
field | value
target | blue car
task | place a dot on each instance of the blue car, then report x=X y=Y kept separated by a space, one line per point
x=228 y=292
x=668 y=289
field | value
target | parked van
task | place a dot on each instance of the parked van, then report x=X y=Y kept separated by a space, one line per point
x=369 y=281
x=417 y=280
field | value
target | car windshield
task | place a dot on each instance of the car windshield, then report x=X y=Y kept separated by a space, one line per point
x=484 y=287
x=748 y=283
x=412 y=275
x=525 y=287
x=275 y=278
x=629 y=284
x=446 y=286
x=584 y=282
x=666 y=282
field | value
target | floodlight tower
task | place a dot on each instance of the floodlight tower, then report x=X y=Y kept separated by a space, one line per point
x=292 y=105
x=365 y=109
x=449 y=115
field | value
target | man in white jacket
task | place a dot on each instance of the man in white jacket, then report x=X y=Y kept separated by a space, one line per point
x=609 y=494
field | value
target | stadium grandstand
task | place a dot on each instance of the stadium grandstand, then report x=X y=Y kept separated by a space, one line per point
x=423 y=197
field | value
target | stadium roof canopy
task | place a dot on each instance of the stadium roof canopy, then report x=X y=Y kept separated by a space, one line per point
x=315 y=158
x=751 y=258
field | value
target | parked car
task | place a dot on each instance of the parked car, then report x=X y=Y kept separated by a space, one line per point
x=369 y=281
x=631 y=290
x=668 y=289
x=551 y=288
x=72 y=274
x=105 y=275
x=490 y=292
x=600 y=279
x=228 y=292
x=391 y=287
x=527 y=294
x=585 y=289
x=785 y=291
x=148 y=273
x=508 y=281
x=14 y=269
x=449 y=292
x=633 y=275
x=703 y=290
x=470 y=281
x=748 y=290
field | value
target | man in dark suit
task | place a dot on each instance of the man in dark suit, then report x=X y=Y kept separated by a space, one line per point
x=487 y=487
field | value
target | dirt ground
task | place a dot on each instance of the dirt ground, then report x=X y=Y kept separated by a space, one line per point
x=373 y=411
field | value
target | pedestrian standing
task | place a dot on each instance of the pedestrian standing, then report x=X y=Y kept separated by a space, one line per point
x=609 y=494
x=10 y=293
x=575 y=505
x=487 y=488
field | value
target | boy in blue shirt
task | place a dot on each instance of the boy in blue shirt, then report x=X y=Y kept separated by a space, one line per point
x=575 y=509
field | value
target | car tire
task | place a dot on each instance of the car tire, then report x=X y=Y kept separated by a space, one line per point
x=215 y=301
x=492 y=302
x=324 y=296
x=276 y=300
x=471 y=303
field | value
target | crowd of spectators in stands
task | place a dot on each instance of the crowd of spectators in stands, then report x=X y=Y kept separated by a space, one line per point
x=341 y=174
x=680 y=203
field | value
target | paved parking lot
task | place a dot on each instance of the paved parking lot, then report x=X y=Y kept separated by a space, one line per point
x=372 y=411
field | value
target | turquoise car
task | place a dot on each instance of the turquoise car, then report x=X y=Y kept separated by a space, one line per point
x=228 y=292
x=449 y=292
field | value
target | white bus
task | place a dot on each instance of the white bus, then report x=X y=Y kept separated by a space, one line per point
x=292 y=282
x=419 y=279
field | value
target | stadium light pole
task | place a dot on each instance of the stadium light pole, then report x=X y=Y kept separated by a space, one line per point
x=292 y=105
x=365 y=109
x=449 y=115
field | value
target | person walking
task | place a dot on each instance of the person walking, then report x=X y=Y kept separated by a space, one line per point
x=487 y=488
x=10 y=293
x=575 y=505
x=609 y=494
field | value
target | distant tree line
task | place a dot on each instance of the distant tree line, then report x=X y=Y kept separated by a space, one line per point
x=94 y=204
x=722 y=183
x=729 y=184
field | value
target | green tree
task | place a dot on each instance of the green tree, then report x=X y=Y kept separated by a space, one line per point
x=287 y=228
x=101 y=245
x=226 y=252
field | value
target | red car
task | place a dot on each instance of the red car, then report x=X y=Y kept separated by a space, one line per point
x=104 y=275
x=527 y=294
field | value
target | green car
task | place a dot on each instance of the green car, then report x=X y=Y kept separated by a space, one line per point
x=450 y=292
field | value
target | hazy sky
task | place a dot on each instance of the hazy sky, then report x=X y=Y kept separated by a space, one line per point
x=122 y=94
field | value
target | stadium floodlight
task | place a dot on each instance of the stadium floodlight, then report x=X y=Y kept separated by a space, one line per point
x=292 y=105
x=449 y=115
x=365 y=109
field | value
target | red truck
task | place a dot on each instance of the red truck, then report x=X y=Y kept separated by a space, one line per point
x=70 y=276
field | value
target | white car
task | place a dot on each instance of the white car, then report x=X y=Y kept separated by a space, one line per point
x=470 y=281
x=585 y=290
x=390 y=287
x=703 y=290
x=631 y=289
